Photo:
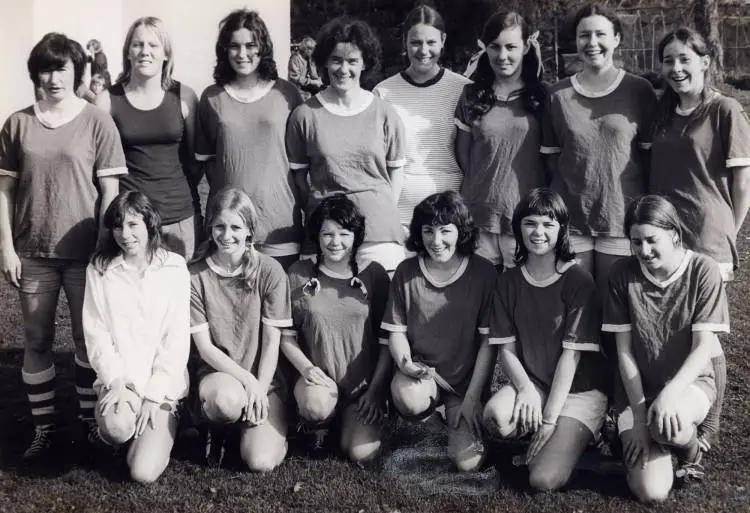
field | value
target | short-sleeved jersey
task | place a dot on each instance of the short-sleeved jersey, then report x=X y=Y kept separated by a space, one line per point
x=662 y=315
x=597 y=136
x=350 y=155
x=691 y=164
x=232 y=314
x=57 y=196
x=243 y=143
x=544 y=317
x=338 y=325
x=426 y=109
x=442 y=320
x=503 y=161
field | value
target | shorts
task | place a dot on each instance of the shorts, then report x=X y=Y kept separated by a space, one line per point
x=589 y=407
x=615 y=246
x=497 y=248
x=47 y=275
x=700 y=391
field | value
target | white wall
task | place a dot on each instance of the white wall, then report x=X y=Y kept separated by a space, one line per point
x=192 y=24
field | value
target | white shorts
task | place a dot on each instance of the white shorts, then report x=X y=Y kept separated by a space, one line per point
x=727 y=271
x=497 y=248
x=625 y=420
x=615 y=246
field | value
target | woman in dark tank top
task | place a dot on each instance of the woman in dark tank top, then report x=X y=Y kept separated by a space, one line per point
x=155 y=117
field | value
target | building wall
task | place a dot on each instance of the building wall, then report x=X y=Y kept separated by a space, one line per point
x=192 y=24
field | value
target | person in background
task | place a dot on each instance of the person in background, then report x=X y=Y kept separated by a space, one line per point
x=302 y=69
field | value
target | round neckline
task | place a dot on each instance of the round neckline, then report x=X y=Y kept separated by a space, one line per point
x=427 y=83
x=232 y=92
x=583 y=91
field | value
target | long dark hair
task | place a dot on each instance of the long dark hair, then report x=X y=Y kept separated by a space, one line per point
x=670 y=100
x=440 y=209
x=543 y=202
x=51 y=53
x=343 y=211
x=250 y=20
x=481 y=93
x=129 y=202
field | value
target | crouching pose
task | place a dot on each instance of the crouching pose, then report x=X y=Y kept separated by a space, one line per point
x=438 y=318
x=239 y=303
x=136 y=324
x=665 y=306
x=337 y=309
x=546 y=321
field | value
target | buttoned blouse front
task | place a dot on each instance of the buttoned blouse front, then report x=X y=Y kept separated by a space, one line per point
x=137 y=325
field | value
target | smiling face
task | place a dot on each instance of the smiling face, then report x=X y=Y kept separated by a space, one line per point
x=243 y=52
x=596 y=41
x=424 y=44
x=344 y=67
x=440 y=241
x=146 y=52
x=540 y=234
x=683 y=69
x=506 y=52
x=336 y=242
x=230 y=234
x=132 y=235
x=58 y=83
x=656 y=248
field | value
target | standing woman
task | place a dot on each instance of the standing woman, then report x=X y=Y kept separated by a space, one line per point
x=701 y=162
x=499 y=132
x=345 y=139
x=155 y=116
x=598 y=125
x=425 y=96
x=60 y=160
x=240 y=132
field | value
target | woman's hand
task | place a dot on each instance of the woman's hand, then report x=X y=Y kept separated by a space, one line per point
x=146 y=416
x=371 y=407
x=116 y=393
x=538 y=441
x=664 y=413
x=316 y=376
x=255 y=411
x=11 y=266
x=636 y=446
x=414 y=369
x=527 y=412
x=471 y=412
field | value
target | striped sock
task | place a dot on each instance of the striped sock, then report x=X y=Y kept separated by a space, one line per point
x=85 y=377
x=710 y=424
x=40 y=389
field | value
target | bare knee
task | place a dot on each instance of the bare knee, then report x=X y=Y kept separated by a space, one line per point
x=547 y=479
x=315 y=403
x=363 y=452
x=222 y=404
x=146 y=470
x=412 y=396
x=679 y=439
x=650 y=489
x=465 y=450
x=262 y=460
x=117 y=428
x=497 y=413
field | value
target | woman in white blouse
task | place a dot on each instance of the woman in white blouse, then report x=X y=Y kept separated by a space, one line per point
x=136 y=324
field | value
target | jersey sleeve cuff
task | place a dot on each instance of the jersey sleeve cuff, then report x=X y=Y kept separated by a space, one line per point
x=549 y=150
x=395 y=163
x=645 y=145
x=738 y=162
x=289 y=333
x=500 y=341
x=203 y=158
x=461 y=125
x=393 y=328
x=8 y=172
x=708 y=326
x=483 y=331
x=383 y=341
x=581 y=346
x=111 y=171
x=617 y=328
x=199 y=327
x=277 y=323
x=296 y=166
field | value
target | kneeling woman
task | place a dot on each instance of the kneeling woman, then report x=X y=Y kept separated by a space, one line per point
x=665 y=306
x=438 y=317
x=239 y=303
x=546 y=321
x=337 y=309
x=136 y=318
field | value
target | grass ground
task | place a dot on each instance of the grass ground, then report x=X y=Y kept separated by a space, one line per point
x=302 y=484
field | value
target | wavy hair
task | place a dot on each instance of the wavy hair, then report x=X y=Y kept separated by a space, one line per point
x=134 y=203
x=481 y=94
x=595 y=9
x=347 y=30
x=343 y=211
x=235 y=200
x=52 y=52
x=250 y=20
x=543 y=202
x=440 y=209
x=157 y=26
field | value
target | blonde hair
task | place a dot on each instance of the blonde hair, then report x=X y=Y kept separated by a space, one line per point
x=157 y=26
x=237 y=201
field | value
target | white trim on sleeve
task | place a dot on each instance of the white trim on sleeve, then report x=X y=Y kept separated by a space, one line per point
x=617 y=328
x=203 y=158
x=383 y=341
x=500 y=341
x=276 y=323
x=549 y=150
x=289 y=332
x=393 y=328
x=295 y=166
x=111 y=171
x=581 y=346
x=8 y=172
x=708 y=326
x=198 y=328
x=395 y=163
x=738 y=162
x=645 y=145
x=461 y=125
x=483 y=331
